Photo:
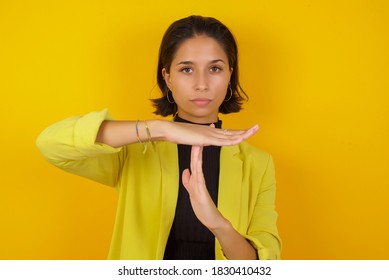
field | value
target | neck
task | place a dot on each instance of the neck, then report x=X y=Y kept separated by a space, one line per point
x=217 y=123
x=198 y=120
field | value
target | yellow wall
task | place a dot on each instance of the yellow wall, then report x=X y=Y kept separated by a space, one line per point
x=316 y=72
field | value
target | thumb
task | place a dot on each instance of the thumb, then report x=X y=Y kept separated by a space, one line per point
x=212 y=125
x=186 y=178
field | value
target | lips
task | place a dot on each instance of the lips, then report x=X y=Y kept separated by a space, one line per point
x=201 y=101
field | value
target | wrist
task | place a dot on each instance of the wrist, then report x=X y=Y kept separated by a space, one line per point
x=157 y=129
x=222 y=228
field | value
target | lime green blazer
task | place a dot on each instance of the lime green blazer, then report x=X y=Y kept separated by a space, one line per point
x=147 y=186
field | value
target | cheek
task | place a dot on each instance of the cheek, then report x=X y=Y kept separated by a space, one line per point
x=179 y=85
x=223 y=92
x=222 y=85
x=176 y=87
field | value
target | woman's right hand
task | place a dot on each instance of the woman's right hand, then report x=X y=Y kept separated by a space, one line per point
x=120 y=133
x=200 y=135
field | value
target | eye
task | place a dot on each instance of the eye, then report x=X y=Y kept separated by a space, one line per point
x=216 y=69
x=186 y=70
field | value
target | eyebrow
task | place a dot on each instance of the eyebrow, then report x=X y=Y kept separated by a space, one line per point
x=188 y=62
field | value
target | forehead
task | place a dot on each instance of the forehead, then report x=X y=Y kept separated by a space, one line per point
x=200 y=48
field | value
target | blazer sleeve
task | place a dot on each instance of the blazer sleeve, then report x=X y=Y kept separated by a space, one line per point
x=71 y=146
x=262 y=231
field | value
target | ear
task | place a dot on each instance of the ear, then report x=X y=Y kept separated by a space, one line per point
x=166 y=77
x=231 y=70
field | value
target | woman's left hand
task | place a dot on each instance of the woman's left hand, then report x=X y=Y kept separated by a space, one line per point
x=234 y=245
x=202 y=204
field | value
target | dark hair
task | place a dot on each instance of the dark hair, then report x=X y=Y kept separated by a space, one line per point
x=187 y=28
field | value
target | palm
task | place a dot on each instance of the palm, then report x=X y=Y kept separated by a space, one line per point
x=202 y=204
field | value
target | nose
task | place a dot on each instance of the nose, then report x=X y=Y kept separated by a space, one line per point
x=201 y=83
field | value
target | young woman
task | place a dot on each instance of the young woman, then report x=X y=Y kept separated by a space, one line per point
x=188 y=189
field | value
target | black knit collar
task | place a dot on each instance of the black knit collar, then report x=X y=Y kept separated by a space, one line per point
x=217 y=124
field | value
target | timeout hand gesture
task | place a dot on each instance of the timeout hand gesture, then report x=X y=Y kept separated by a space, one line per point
x=202 y=204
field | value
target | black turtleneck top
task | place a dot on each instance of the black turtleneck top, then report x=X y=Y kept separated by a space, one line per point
x=189 y=239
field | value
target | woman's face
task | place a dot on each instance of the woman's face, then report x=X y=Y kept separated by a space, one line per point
x=198 y=79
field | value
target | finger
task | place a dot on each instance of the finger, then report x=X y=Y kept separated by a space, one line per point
x=199 y=168
x=200 y=175
x=234 y=139
x=225 y=133
x=246 y=134
x=254 y=129
x=196 y=152
x=250 y=132
x=200 y=157
x=186 y=179
x=231 y=132
x=197 y=172
x=193 y=158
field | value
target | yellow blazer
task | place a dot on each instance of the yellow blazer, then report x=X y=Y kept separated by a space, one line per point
x=147 y=185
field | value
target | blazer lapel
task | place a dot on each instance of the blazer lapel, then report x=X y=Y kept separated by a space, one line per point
x=230 y=184
x=168 y=156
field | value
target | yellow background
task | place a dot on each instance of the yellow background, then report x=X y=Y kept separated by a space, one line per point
x=317 y=76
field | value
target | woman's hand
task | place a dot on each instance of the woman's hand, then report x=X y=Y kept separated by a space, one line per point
x=120 y=133
x=234 y=245
x=202 y=204
x=200 y=135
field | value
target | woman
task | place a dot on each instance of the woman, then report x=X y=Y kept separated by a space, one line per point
x=172 y=203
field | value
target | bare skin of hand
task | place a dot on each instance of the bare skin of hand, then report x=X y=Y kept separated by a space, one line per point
x=120 y=133
x=200 y=199
x=234 y=245
x=200 y=135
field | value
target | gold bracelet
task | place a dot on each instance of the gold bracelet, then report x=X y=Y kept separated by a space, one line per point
x=137 y=136
x=148 y=131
